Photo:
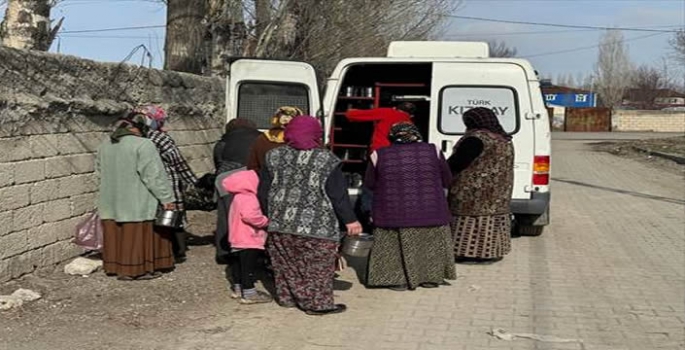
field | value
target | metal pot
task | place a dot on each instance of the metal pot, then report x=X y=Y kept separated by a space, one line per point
x=358 y=246
x=169 y=218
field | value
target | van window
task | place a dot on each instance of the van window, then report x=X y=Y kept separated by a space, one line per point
x=257 y=101
x=455 y=100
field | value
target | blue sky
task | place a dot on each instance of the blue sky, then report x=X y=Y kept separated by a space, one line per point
x=537 y=43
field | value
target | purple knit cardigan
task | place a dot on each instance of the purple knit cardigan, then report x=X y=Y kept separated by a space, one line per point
x=408 y=183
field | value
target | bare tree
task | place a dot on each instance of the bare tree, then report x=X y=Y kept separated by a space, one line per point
x=500 y=49
x=318 y=31
x=648 y=84
x=27 y=25
x=613 y=69
x=186 y=35
x=678 y=45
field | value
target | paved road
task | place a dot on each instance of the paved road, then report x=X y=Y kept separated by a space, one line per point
x=608 y=274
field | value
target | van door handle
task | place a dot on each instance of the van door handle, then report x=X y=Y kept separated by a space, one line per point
x=446 y=146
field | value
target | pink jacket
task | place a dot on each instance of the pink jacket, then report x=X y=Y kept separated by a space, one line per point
x=246 y=222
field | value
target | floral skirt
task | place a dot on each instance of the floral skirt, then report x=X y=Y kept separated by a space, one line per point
x=482 y=237
x=304 y=269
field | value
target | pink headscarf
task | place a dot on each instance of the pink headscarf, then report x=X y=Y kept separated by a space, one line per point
x=155 y=113
x=304 y=133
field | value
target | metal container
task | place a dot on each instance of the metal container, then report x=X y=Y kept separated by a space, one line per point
x=349 y=91
x=358 y=246
x=169 y=218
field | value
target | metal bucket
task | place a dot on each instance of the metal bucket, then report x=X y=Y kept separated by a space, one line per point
x=358 y=246
x=169 y=218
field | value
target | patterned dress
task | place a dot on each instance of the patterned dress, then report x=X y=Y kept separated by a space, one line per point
x=479 y=199
x=304 y=228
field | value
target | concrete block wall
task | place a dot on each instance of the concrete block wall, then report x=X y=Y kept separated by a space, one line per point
x=54 y=112
x=654 y=121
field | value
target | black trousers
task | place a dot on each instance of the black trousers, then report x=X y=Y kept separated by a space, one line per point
x=244 y=265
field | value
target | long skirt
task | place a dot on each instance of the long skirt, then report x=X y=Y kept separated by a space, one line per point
x=482 y=237
x=411 y=256
x=134 y=249
x=304 y=269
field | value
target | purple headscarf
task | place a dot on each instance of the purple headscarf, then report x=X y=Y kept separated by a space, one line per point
x=304 y=133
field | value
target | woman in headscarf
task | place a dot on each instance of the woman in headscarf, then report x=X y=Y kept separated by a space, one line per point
x=303 y=190
x=132 y=186
x=272 y=138
x=175 y=165
x=232 y=151
x=230 y=156
x=412 y=238
x=483 y=167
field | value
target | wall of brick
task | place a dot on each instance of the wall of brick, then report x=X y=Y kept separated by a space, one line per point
x=656 y=121
x=54 y=112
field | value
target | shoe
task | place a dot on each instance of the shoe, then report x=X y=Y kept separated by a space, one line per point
x=149 y=276
x=429 y=285
x=445 y=283
x=180 y=259
x=235 y=293
x=339 y=308
x=287 y=305
x=400 y=288
x=259 y=298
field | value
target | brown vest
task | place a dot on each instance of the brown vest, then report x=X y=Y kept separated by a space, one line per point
x=484 y=188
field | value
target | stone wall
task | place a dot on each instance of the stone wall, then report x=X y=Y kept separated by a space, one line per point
x=54 y=112
x=656 y=121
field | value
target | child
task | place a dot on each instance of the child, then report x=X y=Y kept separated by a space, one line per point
x=246 y=235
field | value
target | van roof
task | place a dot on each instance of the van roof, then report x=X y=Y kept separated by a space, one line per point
x=343 y=64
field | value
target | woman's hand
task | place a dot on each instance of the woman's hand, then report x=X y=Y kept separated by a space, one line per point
x=354 y=228
x=169 y=206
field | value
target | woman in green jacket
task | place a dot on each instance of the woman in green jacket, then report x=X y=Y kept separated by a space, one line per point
x=132 y=185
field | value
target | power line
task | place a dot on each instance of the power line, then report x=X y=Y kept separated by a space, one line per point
x=586 y=47
x=631 y=29
x=519 y=33
x=110 y=29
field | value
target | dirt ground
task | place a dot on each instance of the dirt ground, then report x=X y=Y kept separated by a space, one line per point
x=88 y=312
x=629 y=149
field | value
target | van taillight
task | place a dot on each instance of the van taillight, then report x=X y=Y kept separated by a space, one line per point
x=541 y=170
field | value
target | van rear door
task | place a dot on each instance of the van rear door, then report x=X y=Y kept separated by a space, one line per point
x=501 y=86
x=256 y=88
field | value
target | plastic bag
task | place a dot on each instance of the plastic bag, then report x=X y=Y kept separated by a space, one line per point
x=89 y=232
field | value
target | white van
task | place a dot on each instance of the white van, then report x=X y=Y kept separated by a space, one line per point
x=443 y=79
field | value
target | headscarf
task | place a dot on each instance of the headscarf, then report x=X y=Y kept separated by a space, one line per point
x=238 y=123
x=156 y=115
x=123 y=127
x=481 y=118
x=304 y=133
x=403 y=133
x=280 y=119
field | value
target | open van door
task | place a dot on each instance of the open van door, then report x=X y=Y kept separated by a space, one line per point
x=500 y=86
x=256 y=88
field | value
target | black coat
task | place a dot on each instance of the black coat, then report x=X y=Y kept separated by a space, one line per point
x=234 y=146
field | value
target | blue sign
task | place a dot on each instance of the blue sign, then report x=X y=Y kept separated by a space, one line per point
x=577 y=100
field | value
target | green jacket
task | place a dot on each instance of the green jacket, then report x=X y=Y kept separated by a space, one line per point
x=132 y=180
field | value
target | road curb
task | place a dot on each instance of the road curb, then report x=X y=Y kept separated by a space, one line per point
x=671 y=157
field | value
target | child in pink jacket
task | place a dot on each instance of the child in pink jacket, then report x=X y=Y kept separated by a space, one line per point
x=246 y=235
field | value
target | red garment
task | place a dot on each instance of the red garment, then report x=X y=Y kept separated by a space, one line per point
x=385 y=118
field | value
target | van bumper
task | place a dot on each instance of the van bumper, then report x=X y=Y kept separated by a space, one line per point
x=536 y=205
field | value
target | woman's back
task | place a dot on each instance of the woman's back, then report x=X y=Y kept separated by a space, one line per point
x=408 y=181
x=131 y=176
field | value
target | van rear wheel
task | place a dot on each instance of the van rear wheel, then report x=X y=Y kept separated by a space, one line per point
x=531 y=225
x=530 y=231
